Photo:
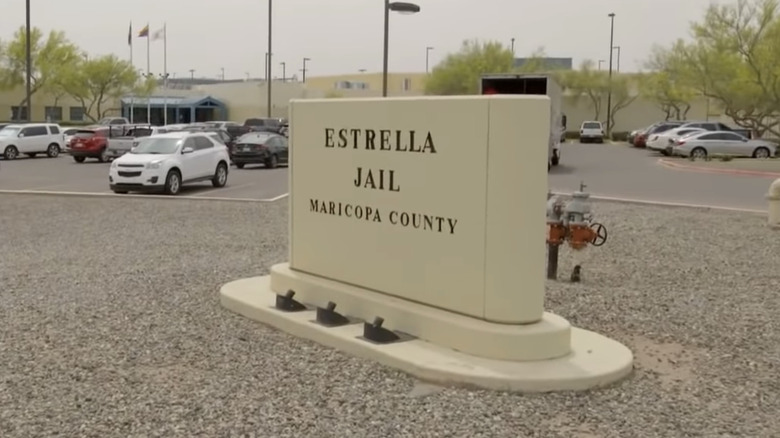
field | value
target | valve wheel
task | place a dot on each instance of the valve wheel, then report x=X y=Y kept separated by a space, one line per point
x=600 y=234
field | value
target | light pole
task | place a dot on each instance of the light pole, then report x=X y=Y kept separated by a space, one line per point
x=268 y=62
x=304 y=68
x=28 y=50
x=400 y=7
x=609 y=91
x=223 y=73
x=284 y=71
x=427 y=57
x=513 y=47
x=192 y=75
x=601 y=61
x=617 y=67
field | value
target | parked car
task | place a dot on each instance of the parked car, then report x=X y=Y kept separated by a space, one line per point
x=165 y=162
x=121 y=144
x=264 y=124
x=591 y=132
x=640 y=140
x=703 y=144
x=261 y=148
x=68 y=132
x=706 y=125
x=90 y=143
x=663 y=141
x=105 y=121
x=31 y=139
x=3 y=125
x=221 y=135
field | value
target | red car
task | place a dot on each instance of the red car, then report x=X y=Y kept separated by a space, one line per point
x=90 y=143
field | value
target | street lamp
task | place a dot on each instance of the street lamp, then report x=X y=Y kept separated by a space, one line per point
x=284 y=71
x=400 y=7
x=513 y=47
x=617 y=68
x=427 y=56
x=192 y=75
x=28 y=50
x=268 y=62
x=609 y=92
x=223 y=73
x=304 y=68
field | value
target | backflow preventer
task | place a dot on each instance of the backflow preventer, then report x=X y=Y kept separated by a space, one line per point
x=571 y=222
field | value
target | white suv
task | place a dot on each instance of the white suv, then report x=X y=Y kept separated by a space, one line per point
x=165 y=162
x=591 y=132
x=31 y=139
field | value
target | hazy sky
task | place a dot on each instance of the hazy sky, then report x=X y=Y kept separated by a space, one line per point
x=344 y=36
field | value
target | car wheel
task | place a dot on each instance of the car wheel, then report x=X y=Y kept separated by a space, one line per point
x=699 y=153
x=555 y=159
x=173 y=183
x=53 y=151
x=220 y=175
x=10 y=153
x=79 y=159
x=103 y=157
x=272 y=162
x=240 y=165
x=761 y=153
x=31 y=155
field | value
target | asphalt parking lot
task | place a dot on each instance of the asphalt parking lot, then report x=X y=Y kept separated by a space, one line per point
x=62 y=174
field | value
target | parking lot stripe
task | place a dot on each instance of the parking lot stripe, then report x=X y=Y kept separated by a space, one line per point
x=139 y=196
x=667 y=204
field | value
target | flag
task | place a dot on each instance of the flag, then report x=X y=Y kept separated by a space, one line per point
x=158 y=35
x=144 y=33
x=130 y=35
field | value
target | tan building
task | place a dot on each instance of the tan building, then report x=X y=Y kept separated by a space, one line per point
x=245 y=99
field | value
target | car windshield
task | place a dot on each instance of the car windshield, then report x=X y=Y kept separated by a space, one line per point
x=591 y=125
x=84 y=133
x=254 y=138
x=157 y=146
x=9 y=131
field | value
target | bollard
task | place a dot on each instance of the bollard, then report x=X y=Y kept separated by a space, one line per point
x=773 y=196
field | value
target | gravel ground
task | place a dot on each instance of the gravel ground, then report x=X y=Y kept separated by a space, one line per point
x=111 y=327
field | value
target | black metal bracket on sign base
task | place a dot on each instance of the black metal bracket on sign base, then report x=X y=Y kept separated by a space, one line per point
x=287 y=303
x=376 y=333
x=329 y=317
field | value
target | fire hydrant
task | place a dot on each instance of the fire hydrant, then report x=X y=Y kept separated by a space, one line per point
x=572 y=222
x=773 y=196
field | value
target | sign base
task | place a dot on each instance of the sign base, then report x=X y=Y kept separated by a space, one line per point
x=438 y=345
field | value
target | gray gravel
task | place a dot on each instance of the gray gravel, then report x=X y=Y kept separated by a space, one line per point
x=111 y=327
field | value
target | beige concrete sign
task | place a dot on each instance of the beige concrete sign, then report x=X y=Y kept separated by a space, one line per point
x=440 y=207
x=425 y=218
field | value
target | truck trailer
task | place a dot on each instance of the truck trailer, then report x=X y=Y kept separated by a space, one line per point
x=534 y=84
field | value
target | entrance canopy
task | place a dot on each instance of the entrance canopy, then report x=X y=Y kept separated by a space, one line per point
x=179 y=109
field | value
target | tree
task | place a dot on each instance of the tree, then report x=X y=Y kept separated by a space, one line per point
x=734 y=60
x=95 y=82
x=666 y=86
x=459 y=72
x=622 y=96
x=51 y=58
x=587 y=82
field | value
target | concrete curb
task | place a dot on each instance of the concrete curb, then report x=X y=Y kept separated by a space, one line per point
x=651 y=203
x=672 y=165
x=138 y=196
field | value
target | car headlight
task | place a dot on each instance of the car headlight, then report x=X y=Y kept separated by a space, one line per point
x=154 y=165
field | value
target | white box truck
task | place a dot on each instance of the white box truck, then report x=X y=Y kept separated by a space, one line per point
x=533 y=84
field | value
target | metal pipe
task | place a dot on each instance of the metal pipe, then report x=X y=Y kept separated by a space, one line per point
x=386 y=48
x=268 y=72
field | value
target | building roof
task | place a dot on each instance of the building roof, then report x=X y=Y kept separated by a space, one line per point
x=173 y=101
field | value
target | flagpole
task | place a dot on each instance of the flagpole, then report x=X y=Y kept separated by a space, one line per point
x=148 y=75
x=132 y=92
x=165 y=73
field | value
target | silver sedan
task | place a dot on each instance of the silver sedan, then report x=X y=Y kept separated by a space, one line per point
x=703 y=144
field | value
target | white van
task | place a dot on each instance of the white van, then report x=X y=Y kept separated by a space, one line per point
x=31 y=139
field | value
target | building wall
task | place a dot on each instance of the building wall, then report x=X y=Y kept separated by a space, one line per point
x=248 y=99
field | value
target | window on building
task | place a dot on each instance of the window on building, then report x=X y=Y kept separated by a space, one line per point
x=53 y=113
x=350 y=85
x=76 y=114
x=407 y=84
x=18 y=113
